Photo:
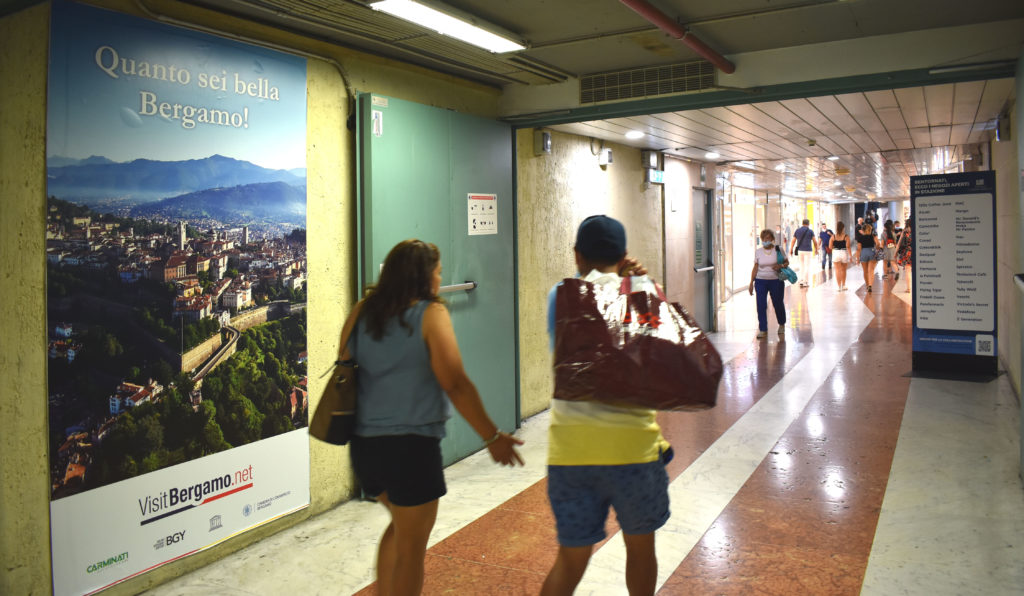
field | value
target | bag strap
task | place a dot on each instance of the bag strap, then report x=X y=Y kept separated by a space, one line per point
x=344 y=341
x=626 y=288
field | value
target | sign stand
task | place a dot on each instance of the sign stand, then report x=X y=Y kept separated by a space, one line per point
x=954 y=262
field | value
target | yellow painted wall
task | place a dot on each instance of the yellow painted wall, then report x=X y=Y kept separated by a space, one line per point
x=24 y=461
x=331 y=80
x=1009 y=250
x=680 y=179
x=555 y=193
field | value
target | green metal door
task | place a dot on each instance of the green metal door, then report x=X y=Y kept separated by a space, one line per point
x=446 y=178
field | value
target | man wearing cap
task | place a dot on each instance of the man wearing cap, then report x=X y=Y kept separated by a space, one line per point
x=601 y=454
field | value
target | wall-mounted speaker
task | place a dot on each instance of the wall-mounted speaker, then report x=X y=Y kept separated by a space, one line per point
x=541 y=142
x=1003 y=128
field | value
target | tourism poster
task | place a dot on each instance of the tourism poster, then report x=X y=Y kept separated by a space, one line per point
x=176 y=292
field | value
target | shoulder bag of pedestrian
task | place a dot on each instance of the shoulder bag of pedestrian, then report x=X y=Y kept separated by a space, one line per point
x=785 y=273
x=334 y=420
x=631 y=348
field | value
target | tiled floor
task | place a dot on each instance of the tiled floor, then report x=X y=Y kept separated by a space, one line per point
x=825 y=469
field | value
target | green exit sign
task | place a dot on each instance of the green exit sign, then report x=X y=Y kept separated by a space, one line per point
x=656 y=176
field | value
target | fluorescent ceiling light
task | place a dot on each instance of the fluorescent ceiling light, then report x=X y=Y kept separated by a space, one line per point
x=446 y=24
x=712 y=155
x=635 y=134
x=833 y=158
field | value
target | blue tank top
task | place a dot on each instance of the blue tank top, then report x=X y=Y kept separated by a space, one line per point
x=398 y=393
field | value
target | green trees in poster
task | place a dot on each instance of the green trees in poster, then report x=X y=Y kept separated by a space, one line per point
x=244 y=399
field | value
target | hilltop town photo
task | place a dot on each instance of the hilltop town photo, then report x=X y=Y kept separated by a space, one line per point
x=168 y=343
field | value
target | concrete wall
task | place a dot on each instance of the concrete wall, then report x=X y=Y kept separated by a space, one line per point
x=555 y=193
x=24 y=482
x=332 y=78
x=1006 y=161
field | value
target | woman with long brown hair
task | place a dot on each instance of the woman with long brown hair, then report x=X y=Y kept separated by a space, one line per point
x=867 y=242
x=840 y=247
x=402 y=338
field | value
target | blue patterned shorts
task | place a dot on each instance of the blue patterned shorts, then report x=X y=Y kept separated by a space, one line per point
x=580 y=497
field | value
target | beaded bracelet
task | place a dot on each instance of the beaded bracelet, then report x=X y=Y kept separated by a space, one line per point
x=496 y=436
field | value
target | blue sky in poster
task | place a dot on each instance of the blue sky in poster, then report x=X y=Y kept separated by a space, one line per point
x=127 y=88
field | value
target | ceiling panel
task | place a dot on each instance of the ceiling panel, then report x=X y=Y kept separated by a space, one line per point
x=820 y=123
x=912 y=105
x=797 y=126
x=966 y=98
x=938 y=101
x=750 y=118
x=830 y=106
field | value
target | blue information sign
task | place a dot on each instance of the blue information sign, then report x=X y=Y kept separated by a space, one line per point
x=954 y=263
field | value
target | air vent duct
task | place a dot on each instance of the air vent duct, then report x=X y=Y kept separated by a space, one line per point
x=646 y=82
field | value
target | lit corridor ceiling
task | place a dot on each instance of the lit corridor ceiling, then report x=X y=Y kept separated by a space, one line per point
x=877 y=139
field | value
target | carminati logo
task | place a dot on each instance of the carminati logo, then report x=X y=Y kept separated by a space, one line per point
x=109 y=562
x=175 y=500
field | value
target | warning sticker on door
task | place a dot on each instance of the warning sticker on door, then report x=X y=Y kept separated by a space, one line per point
x=483 y=214
x=378 y=123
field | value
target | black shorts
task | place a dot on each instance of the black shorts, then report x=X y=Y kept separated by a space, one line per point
x=407 y=467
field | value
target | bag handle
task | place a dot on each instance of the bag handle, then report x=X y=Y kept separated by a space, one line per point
x=626 y=288
x=344 y=341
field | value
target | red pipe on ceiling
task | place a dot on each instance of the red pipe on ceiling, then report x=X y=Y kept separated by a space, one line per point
x=666 y=24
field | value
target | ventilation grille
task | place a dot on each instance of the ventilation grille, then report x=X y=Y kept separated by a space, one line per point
x=645 y=82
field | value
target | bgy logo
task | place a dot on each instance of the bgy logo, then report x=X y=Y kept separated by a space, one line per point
x=169 y=540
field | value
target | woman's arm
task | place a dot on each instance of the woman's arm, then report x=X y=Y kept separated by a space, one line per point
x=753 y=274
x=446 y=362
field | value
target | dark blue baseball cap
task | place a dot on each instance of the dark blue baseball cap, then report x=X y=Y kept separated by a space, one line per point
x=601 y=238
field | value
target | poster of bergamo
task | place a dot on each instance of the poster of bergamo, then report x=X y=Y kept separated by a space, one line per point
x=175 y=292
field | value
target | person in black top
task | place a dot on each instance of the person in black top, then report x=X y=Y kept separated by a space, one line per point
x=867 y=242
x=889 y=238
x=840 y=247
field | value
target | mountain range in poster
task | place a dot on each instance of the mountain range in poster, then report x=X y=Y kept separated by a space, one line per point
x=217 y=187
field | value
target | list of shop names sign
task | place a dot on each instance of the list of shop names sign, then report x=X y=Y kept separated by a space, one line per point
x=954 y=277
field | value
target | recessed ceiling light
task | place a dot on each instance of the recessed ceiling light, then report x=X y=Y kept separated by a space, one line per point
x=635 y=134
x=780 y=167
x=833 y=158
x=712 y=155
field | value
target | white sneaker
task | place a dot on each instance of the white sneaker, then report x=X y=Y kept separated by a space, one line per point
x=782 y=331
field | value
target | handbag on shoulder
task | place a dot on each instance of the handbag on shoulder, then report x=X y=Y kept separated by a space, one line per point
x=617 y=346
x=785 y=273
x=334 y=420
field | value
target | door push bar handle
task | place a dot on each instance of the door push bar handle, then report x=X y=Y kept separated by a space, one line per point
x=469 y=285
x=703 y=269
